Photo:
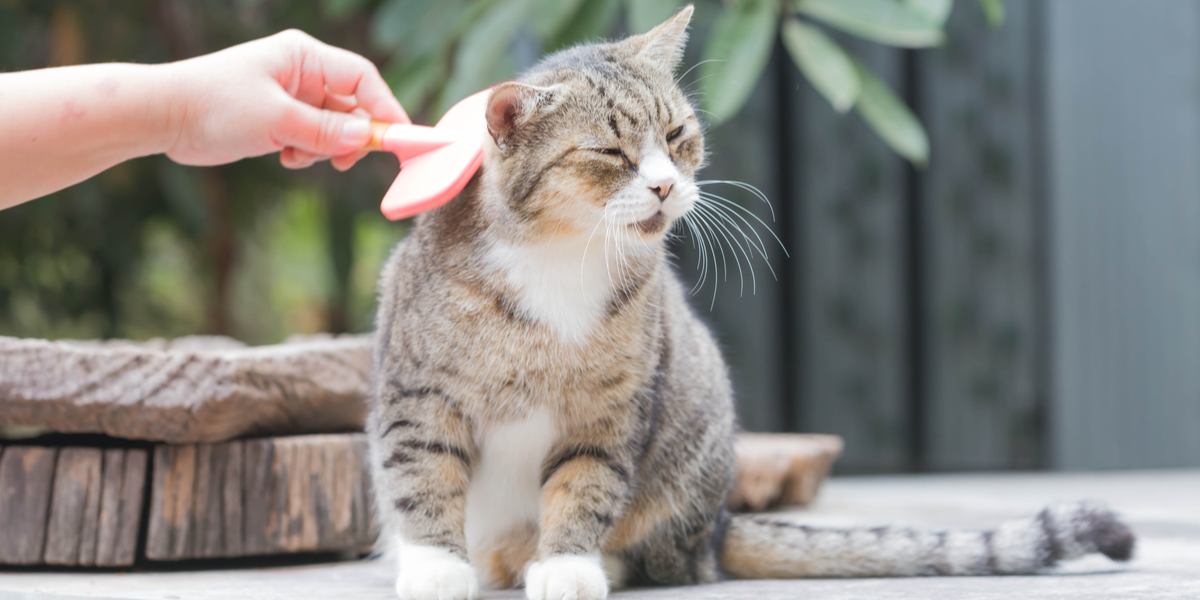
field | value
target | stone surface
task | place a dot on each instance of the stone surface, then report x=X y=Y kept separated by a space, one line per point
x=186 y=390
x=1161 y=506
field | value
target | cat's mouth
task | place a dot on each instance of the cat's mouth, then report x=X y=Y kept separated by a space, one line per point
x=652 y=225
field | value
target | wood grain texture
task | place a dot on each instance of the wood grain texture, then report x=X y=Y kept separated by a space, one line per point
x=187 y=390
x=26 y=477
x=70 y=506
x=260 y=496
x=74 y=508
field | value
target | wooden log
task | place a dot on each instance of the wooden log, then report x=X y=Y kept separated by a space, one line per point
x=260 y=496
x=74 y=507
x=26 y=476
x=780 y=469
x=94 y=508
x=187 y=390
x=124 y=480
x=70 y=506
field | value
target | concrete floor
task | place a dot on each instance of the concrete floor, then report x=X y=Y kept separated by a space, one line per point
x=1162 y=506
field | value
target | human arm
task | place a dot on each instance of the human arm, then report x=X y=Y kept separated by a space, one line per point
x=286 y=93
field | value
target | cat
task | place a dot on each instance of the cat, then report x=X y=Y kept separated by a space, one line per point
x=549 y=412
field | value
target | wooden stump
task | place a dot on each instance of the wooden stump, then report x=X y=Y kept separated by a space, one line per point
x=264 y=496
x=777 y=469
x=78 y=506
x=70 y=506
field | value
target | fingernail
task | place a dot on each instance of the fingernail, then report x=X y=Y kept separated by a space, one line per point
x=356 y=133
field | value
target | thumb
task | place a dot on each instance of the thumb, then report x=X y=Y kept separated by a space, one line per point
x=321 y=132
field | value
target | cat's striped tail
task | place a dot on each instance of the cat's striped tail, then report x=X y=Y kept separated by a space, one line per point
x=769 y=546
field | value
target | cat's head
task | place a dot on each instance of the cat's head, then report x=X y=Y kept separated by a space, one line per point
x=598 y=137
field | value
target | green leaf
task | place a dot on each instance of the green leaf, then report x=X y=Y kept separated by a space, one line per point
x=823 y=62
x=592 y=21
x=482 y=47
x=642 y=15
x=884 y=21
x=993 y=10
x=551 y=16
x=891 y=119
x=935 y=11
x=735 y=55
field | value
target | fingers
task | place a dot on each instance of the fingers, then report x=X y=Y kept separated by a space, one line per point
x=348 y=74
x=294 y=158
x=320 y=132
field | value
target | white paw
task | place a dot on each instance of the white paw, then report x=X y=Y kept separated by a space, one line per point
x=428 y=573
x=567 y=577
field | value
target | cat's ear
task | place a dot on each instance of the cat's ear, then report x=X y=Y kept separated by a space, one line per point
x=514 y=104
x=664 y=44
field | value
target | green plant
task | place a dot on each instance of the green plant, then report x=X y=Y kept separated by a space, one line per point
x=152 y=248
x=741 y=42
x=444 y=49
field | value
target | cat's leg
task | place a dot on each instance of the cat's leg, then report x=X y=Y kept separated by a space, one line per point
x=423 y=460
x=584 y=488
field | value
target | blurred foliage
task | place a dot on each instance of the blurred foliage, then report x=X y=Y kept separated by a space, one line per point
x=741 y=44
x=150 y=248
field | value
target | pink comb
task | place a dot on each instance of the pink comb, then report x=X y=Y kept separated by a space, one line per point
x=436 y=162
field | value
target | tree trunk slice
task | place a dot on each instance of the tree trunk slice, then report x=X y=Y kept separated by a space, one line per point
x=70 y=506
x=26 y=476
x=775 y=469
x=187 y=390
x=262 y=496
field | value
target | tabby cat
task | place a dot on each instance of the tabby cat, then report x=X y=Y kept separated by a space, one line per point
x=549 y=412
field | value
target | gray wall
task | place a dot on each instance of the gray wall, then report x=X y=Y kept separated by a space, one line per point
x=1032 y=298
x=1124 y=149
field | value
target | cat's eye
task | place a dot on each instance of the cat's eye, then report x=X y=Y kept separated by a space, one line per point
x=674 y=134
x=616 y=153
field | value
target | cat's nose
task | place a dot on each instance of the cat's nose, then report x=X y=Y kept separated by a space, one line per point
x=662 y=188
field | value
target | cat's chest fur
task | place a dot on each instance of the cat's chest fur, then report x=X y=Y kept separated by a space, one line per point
x=505 y=483
x=563 y=285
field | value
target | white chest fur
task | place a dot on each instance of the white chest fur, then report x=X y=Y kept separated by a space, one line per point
x=564 y=285
x=505 y=486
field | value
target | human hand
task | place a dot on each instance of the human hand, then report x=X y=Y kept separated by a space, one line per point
x=287 y=93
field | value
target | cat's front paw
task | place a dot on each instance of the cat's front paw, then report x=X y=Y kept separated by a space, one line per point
x=566 y=577
x=434 y=574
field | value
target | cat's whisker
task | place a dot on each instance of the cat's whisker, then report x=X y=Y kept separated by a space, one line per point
x=712 y=244
x=608 y=242
x=700 y=256
x=743 y=186
x=694 y=67
x=765 y=225
x=734 y=246
x=711 y=226
x=760 y=248
x=586 y=246
x=715 y=202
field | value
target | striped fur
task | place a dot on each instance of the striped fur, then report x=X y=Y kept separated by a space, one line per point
x=761 y=546
x=549 y=412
